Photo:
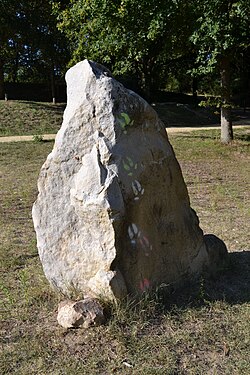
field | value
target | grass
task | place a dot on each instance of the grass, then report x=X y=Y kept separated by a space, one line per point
x=203 y=329
x=29 y=118
x=217 y=177
x=174 y=114
x=34 y=118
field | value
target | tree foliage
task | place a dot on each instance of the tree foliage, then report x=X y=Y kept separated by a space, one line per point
x=222 y=31
x=222 y=28
x=152 y=41
x=127 y=35
x=32 y=48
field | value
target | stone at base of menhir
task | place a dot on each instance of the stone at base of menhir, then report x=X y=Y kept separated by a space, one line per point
x=83 y=313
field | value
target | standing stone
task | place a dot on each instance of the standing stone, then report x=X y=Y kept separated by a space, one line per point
x=113 y=215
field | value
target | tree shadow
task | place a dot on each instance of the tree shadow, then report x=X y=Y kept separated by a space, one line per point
x=214 y=136
x=47 y=141
x=243 y=137
x=58 y=107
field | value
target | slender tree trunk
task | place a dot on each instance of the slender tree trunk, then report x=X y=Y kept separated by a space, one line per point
x=16 y=66
x=1 y=80
x=53 y=84
x=194 y=87
x=147 y=79
x=226 y=118
x=148 y=86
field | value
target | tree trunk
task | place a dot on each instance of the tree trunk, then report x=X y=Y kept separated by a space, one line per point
x=148 y=84
x=1 y=81
x=16 y=66
x=53 y=84
x=194 y=87
x=226 y=118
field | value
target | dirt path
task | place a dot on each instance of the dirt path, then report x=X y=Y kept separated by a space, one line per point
x=24 y=138
x=48 y=137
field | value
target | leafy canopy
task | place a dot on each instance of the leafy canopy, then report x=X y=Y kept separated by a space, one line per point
x=126 y=35
x=222 y=28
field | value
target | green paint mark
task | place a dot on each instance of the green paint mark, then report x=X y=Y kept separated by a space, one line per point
x=124 y=121
x=129 y=165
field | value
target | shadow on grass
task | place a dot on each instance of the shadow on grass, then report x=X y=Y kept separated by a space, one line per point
x=60 y=107
x=214 y=136
x=232 y=285
x=48 y=141
x=41 y=140
x=243 y=137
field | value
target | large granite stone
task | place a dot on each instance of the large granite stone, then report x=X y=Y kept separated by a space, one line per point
x=113 y=215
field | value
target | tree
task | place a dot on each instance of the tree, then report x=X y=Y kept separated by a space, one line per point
x=129 y=36
x=47 y=45
x=7 y=30
x=221 y=32
x=31 y=47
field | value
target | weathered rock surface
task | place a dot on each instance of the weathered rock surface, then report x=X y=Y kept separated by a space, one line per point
x=84 y=313
x=113 y=215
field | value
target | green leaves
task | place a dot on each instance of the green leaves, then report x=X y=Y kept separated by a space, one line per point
x=222 y=28
x=30 y=44
x=130 y=36
x=215 y=102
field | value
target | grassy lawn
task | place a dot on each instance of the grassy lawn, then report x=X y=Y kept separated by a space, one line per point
x=29 y=118
x=34 y=118
x=203 y=329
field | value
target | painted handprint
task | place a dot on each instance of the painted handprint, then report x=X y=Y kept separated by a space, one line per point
x=129 y=166
x=124 y=121
x=137 y=190
x=144 y=285
x=133 y=234
x=145 y=244
x=137 y=238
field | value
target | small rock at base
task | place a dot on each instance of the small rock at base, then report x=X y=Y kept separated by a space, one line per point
x=83 y=313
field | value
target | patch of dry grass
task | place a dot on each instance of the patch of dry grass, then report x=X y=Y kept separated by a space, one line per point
x=218 y=180
x=203 y=329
